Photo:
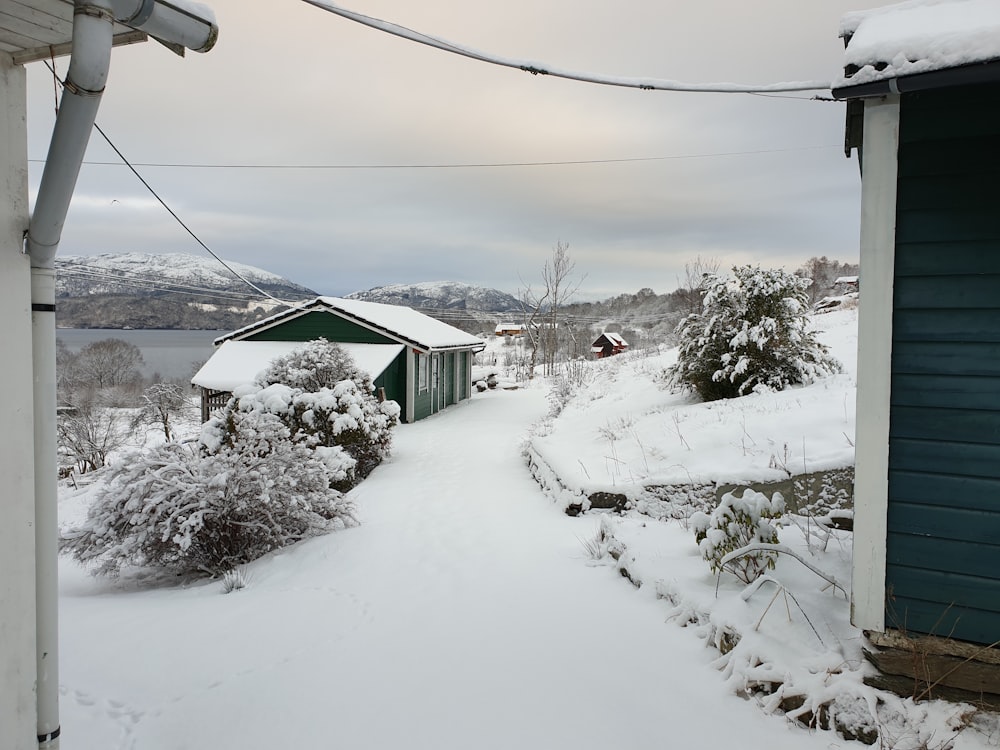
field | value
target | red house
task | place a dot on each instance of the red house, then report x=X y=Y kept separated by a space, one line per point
x=608 y=344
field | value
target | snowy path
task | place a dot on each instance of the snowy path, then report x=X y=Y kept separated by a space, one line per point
x=461 y=615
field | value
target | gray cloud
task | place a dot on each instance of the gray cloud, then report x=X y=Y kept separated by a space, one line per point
x=290 y=84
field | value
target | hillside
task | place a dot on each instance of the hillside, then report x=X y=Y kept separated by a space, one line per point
x=176 y=290
x=441 y=295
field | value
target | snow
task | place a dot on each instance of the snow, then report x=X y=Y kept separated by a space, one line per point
x=627 y=431
x=236 y=363
x=405 y=321
x=398 y=322
x=183 y=267
x=466 y=610
x=920 y=36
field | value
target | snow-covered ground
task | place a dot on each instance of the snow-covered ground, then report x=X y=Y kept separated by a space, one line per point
x=467 y=612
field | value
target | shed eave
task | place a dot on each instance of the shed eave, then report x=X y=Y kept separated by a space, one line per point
x=963 y=75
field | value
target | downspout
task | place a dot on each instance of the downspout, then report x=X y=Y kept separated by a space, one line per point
x=85 y=81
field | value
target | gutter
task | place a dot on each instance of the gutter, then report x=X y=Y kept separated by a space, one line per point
x=175 y=25
x=963 y=75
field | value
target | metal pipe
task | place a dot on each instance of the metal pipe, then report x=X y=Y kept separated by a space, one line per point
x=93 y=30
x=85 y=81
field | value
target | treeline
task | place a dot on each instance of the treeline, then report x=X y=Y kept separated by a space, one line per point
x=651 y=318
x=131 y=311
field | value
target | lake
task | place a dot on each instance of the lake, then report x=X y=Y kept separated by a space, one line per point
x=172 y=354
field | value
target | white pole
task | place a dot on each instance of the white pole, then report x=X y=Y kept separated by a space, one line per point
x=85 y=80
x=17 y=538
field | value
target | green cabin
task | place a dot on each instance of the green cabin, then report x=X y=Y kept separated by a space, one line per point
x=924 y=118
x=419 y=362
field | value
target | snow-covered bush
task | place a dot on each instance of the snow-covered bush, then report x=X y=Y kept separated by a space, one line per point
x=736 y=523
x=315 y=365
x=191 y=512
x=324 y=400
x=752 y=331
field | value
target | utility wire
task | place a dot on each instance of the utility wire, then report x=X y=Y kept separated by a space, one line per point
x=648 y=84
x=183 y=225
x=171 y=211
x=463 y=165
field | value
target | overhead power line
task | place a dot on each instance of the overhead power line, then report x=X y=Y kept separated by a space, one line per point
x=170 y=211
x=459 y=165
x=535 y=68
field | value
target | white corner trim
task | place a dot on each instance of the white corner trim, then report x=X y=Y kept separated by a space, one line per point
x=871 y=479
x=411 y=382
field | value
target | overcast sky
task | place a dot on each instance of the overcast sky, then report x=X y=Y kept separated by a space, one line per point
x=737 y=178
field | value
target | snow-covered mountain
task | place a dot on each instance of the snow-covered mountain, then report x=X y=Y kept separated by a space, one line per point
x=441 y=295
x=139 y=290
x=155 y=275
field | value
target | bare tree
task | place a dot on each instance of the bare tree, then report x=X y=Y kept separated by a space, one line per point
x=162 y=404
x=542 y=311
x=110 y=363
x=691 y=289
x=87 y=436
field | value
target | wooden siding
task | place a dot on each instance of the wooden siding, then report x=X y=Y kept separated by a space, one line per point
x=944 y=437
x=393 y=379
x=314 y=325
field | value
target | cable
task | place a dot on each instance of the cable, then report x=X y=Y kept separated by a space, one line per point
x=173 y=213
x=181 y=221
x=647 y=84
x=467 y=165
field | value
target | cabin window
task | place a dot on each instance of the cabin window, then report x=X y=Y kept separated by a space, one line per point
x=421 y=373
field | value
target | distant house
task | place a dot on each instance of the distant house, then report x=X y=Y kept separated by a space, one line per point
x=608 y=344
x=845 y=284
x=922 y=83
x=509 y=329
x=421 y=363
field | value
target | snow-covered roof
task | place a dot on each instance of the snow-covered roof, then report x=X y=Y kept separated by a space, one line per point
x=614 y=338
x=918 y=36
x=237 y=363
x=404 y=324
x=846 y=280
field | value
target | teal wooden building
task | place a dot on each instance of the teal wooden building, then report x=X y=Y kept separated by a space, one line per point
x=922 y=83
x=419 y=362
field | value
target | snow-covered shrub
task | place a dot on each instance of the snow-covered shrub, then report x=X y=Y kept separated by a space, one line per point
x=193 y=512
x=315 y=365
x=736 y=523
x=324 y=400
x=752 y=331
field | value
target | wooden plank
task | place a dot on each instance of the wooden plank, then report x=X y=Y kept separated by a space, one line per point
x=941 y=570
x=925 y=258
x=954 y=192
x=966 y=324
x=977 y=157
x=958 y=101
x=937 y=457
x=954 y=425
x=945 y=391
x=937 y=122
x=920 y=487
x=904 y=687
x=931 y=645
x=915 y=616
x=948 y=224
x=957 y=292
x=946 y=521
x=946 y=358
x=933 y=670
x=315 y=324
